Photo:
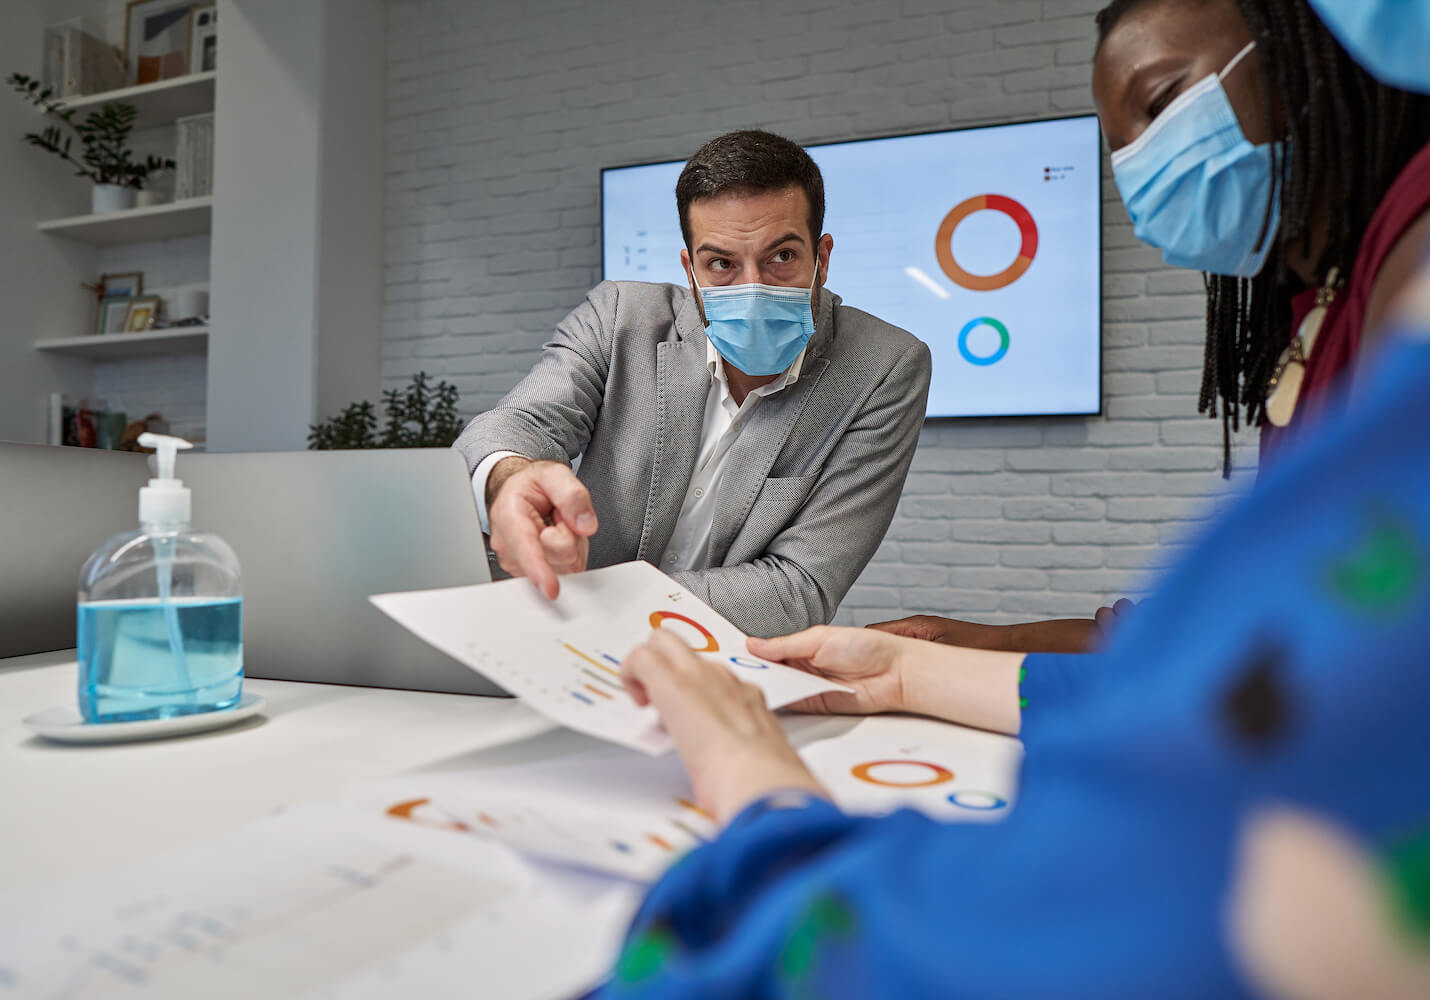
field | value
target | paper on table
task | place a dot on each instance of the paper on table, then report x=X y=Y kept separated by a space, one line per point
x=572 y=800
x=890 y=762
x=562 y=657
x=318 y=901
x=610 y=810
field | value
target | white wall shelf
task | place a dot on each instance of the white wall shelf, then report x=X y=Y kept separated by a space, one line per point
x=111 y=346
x=157 y=103
x=137 y=225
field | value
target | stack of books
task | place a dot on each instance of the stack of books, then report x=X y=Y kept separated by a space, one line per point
x=78 y=63
x=194 y=157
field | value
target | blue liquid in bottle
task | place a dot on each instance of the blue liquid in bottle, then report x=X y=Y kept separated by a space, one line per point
x=128 y=668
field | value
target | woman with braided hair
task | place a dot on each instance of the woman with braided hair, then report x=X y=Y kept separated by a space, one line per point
x=1247 y=144
x=1296 y=178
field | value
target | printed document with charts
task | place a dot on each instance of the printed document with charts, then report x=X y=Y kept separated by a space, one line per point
x=563 y=657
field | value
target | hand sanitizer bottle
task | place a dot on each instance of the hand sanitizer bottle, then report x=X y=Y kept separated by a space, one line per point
x=160 y=612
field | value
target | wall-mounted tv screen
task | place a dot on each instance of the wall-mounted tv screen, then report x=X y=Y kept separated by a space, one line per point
x=986 y=243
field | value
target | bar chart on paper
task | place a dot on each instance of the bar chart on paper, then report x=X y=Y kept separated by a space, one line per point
x=611 y=811
x=639 y=846
x=563 y=657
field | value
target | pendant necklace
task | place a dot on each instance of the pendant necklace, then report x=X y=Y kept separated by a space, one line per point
x=1284 y=389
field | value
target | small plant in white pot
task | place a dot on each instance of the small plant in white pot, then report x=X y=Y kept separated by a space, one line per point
x=103 y=154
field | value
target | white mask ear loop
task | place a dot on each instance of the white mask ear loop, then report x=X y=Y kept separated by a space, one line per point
x=1236 y=59
x=699 y=296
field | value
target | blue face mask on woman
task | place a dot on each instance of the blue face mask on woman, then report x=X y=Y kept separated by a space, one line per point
x=1390 y=38
x=1196 y=188
x=760 y=329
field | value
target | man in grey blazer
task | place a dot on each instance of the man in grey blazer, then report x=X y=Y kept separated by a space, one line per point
x=749 y=435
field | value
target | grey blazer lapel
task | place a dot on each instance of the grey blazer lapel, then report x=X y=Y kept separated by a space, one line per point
x=682 y=383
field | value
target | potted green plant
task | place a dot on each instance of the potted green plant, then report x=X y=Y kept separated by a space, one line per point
x=103 y=153
x=422 y=415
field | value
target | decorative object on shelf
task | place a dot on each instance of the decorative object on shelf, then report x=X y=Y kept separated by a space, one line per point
x=129 y=440
x=194 y=156
x=55 y=418
x=420 y=416
x=156 y=39
x=78 y=63
x=113 y=314
x=86 y=423
x=112 y=198
x=112 y=293
x=130 y=284
x=189 y=304
x=203 y=43
x=141 y=314
x=109 y=429
x=77 y=430
x=104 y=156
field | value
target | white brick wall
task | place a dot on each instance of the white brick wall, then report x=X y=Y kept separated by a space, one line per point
x=501 y=113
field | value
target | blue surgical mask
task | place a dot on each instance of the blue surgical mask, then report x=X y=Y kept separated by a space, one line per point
x=760 y=329
x=1390 y=38
x=1196 y=188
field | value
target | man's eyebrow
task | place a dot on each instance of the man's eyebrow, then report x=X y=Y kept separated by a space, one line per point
x=720 y=251
x=783 y=239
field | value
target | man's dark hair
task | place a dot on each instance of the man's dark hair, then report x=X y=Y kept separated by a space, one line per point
x=1349 y=138
x=749 y=162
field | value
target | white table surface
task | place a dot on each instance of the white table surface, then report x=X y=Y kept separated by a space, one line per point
x=72 y=810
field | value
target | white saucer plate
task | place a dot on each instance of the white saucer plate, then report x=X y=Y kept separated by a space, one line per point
x=65 y=725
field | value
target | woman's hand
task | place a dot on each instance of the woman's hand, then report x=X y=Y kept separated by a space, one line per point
x=732 y=745
x=891 y=673
x=869 y=662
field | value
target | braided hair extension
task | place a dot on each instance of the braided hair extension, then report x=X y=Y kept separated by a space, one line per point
x=1348 y=137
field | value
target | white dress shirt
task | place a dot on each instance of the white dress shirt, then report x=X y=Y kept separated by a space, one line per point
x=724 y=420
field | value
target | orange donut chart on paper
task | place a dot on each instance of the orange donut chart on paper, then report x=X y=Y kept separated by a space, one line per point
x=404 y=810
x=1021 y=217
x=937 y=773
x=711 y=646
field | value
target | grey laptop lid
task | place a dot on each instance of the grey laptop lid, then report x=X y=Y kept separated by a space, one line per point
x=315 y=533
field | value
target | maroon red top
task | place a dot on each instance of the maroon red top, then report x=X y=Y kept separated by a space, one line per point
x=1340 y=337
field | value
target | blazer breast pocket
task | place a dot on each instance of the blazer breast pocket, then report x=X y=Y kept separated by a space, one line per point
x=778 y=500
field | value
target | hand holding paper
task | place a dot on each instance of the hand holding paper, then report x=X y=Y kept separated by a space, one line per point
x=732 y=745
x=563 y=657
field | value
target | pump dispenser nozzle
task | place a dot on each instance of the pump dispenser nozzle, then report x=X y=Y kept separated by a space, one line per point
x=165 y=500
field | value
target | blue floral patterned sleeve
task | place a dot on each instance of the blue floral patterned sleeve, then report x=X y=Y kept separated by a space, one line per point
x=1284 y=660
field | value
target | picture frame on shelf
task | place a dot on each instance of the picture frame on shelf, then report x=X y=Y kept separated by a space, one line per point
x=203 y=41
x=141 y=314
x=130 y=285
x=157 y=36
x=113 y=314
